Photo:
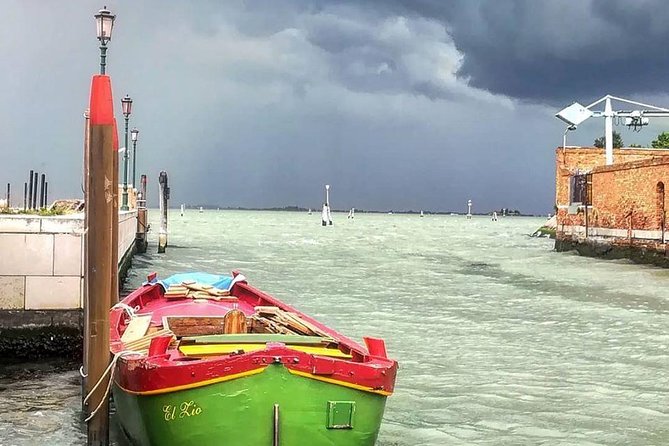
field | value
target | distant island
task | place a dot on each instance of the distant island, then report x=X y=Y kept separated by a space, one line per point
x=503 y=212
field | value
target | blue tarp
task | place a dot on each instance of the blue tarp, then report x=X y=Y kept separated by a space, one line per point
x=220 y=282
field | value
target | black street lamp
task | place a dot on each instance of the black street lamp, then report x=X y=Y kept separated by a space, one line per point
x=134 y=133
x=126 y=103
x=104 y=21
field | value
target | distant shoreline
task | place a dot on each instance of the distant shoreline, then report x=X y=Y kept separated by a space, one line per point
x=361 y=211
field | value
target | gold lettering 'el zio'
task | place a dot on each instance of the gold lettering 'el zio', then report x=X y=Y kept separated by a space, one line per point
x=183 y=410
x=169 y=412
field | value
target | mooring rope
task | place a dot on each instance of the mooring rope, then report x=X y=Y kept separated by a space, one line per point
x=109 y=370
x=132 y=312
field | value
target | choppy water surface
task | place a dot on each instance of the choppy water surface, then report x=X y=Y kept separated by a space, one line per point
x=500 y=340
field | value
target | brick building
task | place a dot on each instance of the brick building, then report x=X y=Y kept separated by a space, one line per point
x=614 y=211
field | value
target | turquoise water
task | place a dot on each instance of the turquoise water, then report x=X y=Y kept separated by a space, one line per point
x=501 y=341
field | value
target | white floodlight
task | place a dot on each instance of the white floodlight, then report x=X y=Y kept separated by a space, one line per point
x=574 y=114
x=636 y=119
x=636 y=122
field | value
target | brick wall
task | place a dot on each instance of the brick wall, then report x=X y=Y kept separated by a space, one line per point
x=625 y=195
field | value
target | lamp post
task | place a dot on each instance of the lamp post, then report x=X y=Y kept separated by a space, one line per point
x=634 y=119
x=126 y=104
x=134 y=133
x=564 y=137
x=104 y=21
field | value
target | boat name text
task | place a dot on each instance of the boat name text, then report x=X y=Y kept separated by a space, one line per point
x=183 y=410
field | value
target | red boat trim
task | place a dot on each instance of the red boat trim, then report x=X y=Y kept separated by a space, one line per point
x=194 y=385
x=373 y=373
x=339 y=383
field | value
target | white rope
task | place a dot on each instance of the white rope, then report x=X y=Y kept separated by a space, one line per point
x=132 y=312
x=81 y=372
x=109 y=370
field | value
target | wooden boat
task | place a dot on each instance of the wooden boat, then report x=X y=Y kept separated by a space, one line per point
x=203 y=359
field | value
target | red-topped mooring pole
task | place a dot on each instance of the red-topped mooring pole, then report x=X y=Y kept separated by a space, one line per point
x=99 y=215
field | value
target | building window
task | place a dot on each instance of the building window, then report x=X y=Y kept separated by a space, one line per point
x=577 y=188
x=580 y=188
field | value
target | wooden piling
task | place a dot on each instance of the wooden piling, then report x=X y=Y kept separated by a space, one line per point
x=114 y=252
x=86 y=184
x=35 y=178
x=30 y=194
x=25 y=196
x=41 y=191
x=100 y=211
x=164 y=196
x=9 y=205
x=142 y=224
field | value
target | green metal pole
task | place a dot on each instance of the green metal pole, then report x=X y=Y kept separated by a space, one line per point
x=134 y=162
x=103 y=58
x=124 y=205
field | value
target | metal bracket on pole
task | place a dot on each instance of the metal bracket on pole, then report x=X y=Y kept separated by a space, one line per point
x=576 y=113
x=608 y=131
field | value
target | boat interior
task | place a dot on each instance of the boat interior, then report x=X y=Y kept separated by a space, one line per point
x=189 y=321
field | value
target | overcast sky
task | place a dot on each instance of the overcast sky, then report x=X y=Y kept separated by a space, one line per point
x=398 y=104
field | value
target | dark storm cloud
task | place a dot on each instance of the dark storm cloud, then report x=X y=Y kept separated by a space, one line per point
x=358 y=46
x=555 y=51
x=397 y=104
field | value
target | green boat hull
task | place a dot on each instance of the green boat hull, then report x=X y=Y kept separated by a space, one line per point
x=241 y=412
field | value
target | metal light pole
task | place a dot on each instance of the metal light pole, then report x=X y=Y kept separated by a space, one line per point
x=608 y=130
x=104 y=21
x=564 y=137
x=134 y=133
x=635 y=119
x=126 y=103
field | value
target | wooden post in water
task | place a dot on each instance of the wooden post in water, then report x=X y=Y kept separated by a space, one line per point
x=164 y=195
x=30 y=194
x=9 y=205
x=35 y=177
x=140 y=236
x=114 y=251
x=25 y=196
x=41 y=191
x=100 y=211
x=86 y=189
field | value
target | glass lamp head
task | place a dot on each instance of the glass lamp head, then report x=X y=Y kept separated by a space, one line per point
x=126 y=104
x=104 y=21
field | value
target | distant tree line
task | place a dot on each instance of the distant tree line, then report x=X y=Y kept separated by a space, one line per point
x=505 y=211
x=661 y=142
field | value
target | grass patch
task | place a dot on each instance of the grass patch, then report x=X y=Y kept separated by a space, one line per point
x=36 y=212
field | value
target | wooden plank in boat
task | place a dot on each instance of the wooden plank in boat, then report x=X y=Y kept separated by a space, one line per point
x=194 y=325
x=206 y=288
x=291 y=320
x=271 y=326
x=222 y=349
x=136 y=329
x=277 y=315
x=144 y=342
x=267 y=310
x=310 y=326
x=235 y=322
x=295 y=324
x=255 y=338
